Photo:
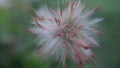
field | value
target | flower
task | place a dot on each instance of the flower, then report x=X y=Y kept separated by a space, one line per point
x=66 y=32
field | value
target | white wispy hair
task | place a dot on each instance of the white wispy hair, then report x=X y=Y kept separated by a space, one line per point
x=66 y=32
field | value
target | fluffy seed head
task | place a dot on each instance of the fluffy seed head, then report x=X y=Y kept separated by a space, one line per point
x=66 y=32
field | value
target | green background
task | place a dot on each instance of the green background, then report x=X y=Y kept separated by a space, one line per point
x=17 y=44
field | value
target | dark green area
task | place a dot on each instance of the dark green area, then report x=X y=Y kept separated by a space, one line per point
x=17 y=44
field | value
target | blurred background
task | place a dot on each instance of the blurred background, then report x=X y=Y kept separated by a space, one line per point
x=17 y=44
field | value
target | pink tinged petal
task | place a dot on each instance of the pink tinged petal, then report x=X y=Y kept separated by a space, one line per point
x=33 y=31
x=63 y=60
x=66 y=25
x=89 y=56
x=80 y=2
x=81 y=64
x=78 y=54
x=92 y=40
x=45 y=57
x=48 y=48
x=57 y=22
x=87 y=52
x=45 y=19
x=40 y=17
x=79 y=10
x=78 y=5
x=60 y=34
x=79 y=58
x=41 y=50
x=85 y=8
x=96 y=8
x=61 y=12
x=78 y=28
x=91 y=12
x=66 y=7
x=83 y=44
x=72 y=6
x=95 y=31
x=39 y=25
x=94 y=21
x=72 y=34
x=52 y=11
x=92 y=59
x=89 y=60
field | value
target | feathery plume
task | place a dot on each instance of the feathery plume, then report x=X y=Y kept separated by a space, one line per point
x=66 y=32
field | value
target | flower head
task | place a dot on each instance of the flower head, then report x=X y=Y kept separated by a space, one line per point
x=66 y=32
